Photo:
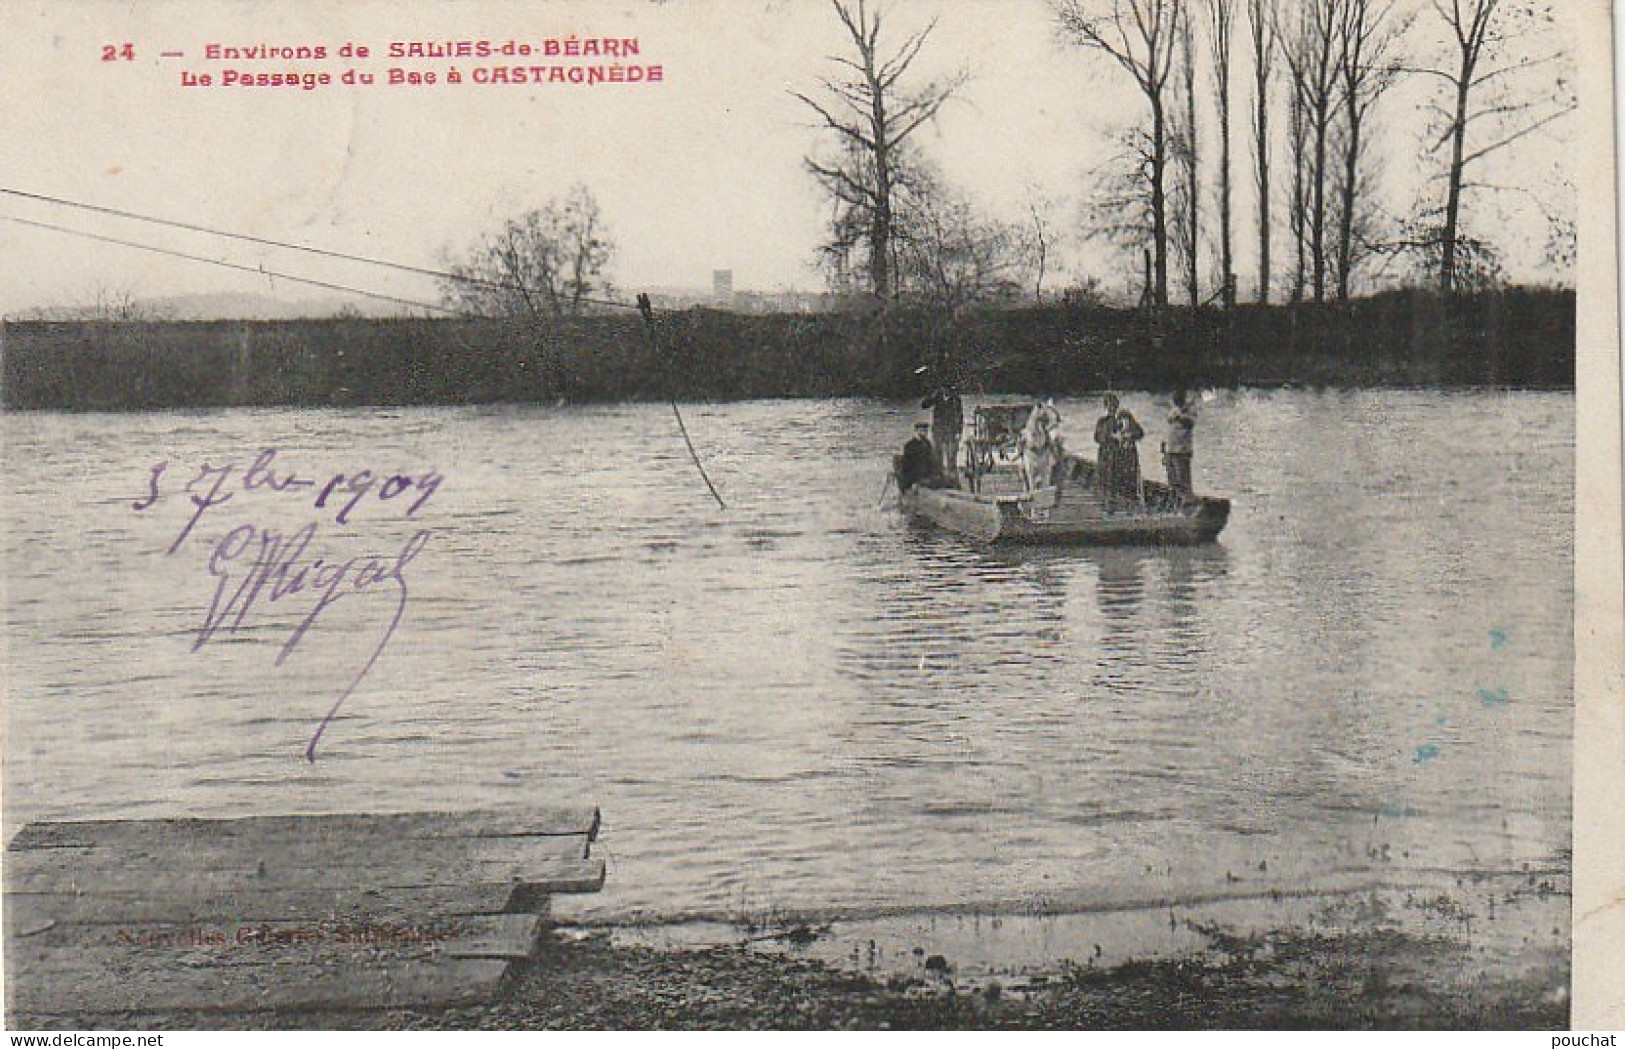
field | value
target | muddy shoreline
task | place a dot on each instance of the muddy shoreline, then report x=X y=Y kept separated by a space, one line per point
x=1486 y=952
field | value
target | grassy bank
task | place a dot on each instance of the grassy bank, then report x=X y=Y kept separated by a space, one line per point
x=1510 y=338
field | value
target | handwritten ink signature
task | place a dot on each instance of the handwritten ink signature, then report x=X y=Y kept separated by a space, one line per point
x=276 y=559
x=257 y=565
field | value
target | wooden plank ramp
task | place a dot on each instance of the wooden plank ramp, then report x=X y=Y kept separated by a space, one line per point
x=307 y=912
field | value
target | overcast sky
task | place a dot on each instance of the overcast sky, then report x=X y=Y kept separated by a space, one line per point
x=700 y=171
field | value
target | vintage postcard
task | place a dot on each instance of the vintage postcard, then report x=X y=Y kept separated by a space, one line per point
x=810 y=514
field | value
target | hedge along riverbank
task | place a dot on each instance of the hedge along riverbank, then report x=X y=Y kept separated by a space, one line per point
x=1511 y=338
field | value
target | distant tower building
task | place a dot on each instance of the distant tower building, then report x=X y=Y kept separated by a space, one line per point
x=722 y=286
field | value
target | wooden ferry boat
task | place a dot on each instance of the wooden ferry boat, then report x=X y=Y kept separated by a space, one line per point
x=997 y=499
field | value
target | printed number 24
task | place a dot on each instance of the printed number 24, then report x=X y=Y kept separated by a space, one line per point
x=114 y=52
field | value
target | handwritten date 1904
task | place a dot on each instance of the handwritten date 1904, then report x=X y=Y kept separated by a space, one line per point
x=214 y=485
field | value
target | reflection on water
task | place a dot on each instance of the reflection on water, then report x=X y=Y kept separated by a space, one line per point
x=804 y=703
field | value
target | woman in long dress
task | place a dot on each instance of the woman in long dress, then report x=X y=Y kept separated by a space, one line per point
x=1129 y=432
x=1116 y=434
x=1106 y=448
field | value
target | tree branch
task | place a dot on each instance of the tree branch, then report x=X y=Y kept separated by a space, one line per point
x=1523 y=133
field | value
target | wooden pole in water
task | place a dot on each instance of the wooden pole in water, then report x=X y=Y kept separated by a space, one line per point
x=646 y=308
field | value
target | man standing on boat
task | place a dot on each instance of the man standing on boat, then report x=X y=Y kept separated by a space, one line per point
x=947 y=420
x=1176 y=451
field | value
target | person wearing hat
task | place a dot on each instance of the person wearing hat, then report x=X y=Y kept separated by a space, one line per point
x=947 y=422
x=919 y=459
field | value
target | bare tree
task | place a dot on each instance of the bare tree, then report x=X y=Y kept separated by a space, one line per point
x=587 y=248
x=1478 y=266
x=1310 y=48
x=1261 y=21
x=1221 y=22
x=542 y=264
x=1038 y=238
x=872 y=117
x=1298 y=210
x=1187 y=221
x=1141 y=36
x=950 y=255
x=104 y=303
x=121 y=304
x=1368 y=32
x=1118 y=208
x=1478 y=74
x=1360 y=222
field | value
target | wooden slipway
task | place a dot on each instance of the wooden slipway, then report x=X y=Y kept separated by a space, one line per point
x=349 y=911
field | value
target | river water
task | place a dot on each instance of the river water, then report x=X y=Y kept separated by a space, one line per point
x=802 y=704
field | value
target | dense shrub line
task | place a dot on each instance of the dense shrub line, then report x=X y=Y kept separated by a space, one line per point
x=1521 y=337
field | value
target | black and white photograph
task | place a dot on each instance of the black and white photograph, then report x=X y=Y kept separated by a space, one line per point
x=819 y=515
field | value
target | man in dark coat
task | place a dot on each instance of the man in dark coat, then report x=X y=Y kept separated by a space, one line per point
x=919 y=459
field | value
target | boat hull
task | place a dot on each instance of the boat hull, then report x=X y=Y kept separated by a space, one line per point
x=1071 y=513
